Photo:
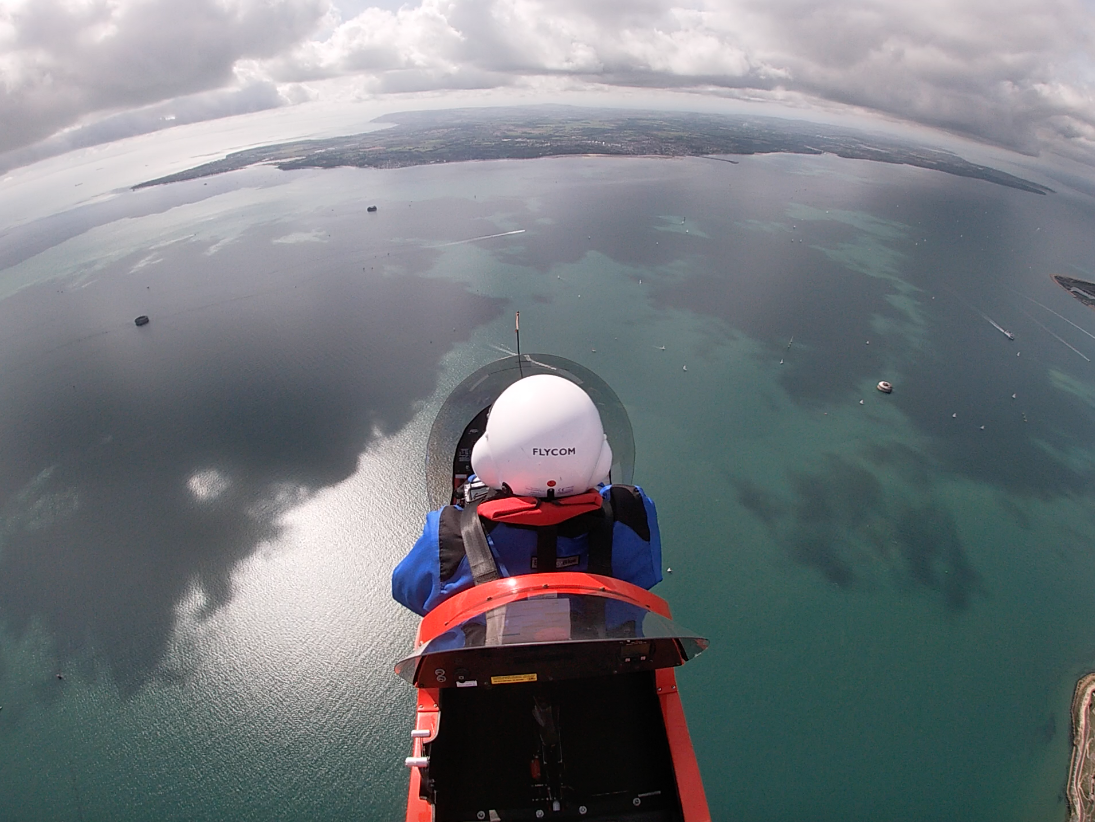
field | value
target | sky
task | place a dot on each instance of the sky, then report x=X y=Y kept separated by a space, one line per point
x=1013 y=73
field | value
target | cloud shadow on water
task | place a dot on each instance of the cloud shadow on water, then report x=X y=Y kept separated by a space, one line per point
x=914 y=263
x=839 y=522
x=140 y=462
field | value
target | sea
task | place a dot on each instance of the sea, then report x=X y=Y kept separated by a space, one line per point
x=199 y=517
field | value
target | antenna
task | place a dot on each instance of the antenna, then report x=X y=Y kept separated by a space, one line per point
x=517 y=331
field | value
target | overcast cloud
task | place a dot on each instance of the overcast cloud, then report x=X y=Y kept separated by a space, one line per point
x=1018 y=73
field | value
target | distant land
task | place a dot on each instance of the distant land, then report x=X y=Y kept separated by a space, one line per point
x=1080 y=289
x=523 y=133
x=1081 y=794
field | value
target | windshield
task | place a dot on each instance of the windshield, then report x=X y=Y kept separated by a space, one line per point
x=461 y=419
x=548 y=637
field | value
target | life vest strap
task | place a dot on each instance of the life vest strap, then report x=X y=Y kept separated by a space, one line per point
x=539 y=512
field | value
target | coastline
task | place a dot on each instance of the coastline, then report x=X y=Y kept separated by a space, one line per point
x=1081 y=771
x=526 y=133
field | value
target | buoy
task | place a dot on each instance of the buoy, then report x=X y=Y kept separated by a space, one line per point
x=141 y=320
x=1013 y=396
x=60 y=676
x=371 y=209
x=861 y=402
x=954 y=416
x=669 y=570
x=686 y=368
x=885 y=387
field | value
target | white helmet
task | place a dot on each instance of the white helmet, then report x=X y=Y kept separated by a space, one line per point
x=543 y=438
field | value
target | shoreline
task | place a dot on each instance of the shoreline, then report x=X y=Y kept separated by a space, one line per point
x=1081 y=771
x=532 y=132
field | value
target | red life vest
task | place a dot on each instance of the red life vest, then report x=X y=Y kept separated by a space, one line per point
x=539 y=512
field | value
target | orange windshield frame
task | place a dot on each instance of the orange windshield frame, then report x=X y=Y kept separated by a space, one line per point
x=482 y=598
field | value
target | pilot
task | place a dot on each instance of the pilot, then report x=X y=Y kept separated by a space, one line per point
x=540 y=496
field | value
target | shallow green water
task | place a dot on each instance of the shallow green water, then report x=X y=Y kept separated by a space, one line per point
x=199 y=517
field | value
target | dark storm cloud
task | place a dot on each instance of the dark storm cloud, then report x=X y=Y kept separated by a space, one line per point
x=1019 y=75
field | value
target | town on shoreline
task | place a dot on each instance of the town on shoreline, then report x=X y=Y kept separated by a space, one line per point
x=459 y=135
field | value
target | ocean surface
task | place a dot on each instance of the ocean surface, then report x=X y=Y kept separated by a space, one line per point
x=199 y=518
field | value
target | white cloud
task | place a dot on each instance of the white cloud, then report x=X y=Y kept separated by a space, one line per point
x=1015 y=72
x=61 y=60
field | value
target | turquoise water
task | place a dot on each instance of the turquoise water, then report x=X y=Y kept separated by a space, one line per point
x=198 y=518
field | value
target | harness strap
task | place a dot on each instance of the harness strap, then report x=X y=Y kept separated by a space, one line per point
x=480 y=559
x=547 y=538
x=600 y=541
x=462 y=532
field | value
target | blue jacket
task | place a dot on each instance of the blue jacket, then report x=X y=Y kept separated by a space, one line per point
x=424 y=578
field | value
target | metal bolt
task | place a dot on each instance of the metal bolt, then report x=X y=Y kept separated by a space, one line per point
x=582 y=810
x=636 y=802
x=539 y=813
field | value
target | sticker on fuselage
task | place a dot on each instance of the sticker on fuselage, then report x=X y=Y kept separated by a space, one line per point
x=510 y=679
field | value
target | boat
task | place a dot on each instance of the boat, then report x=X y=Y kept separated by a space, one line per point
x=550 y=695
x=998 y=327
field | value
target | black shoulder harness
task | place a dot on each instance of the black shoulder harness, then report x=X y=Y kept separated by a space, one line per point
x=624 y=504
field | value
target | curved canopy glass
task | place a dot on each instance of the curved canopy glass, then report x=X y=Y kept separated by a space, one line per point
x=547 y=637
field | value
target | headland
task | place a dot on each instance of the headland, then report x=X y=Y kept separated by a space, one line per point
x=1081 y=773
x=1080 y=289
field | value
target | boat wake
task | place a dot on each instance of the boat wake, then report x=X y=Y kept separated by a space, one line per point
x=997 y=326
x=1056 y=337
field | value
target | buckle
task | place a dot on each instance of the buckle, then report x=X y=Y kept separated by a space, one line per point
x=475 y=491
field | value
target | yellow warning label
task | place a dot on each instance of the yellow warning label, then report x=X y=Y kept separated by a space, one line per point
x=511 y=678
